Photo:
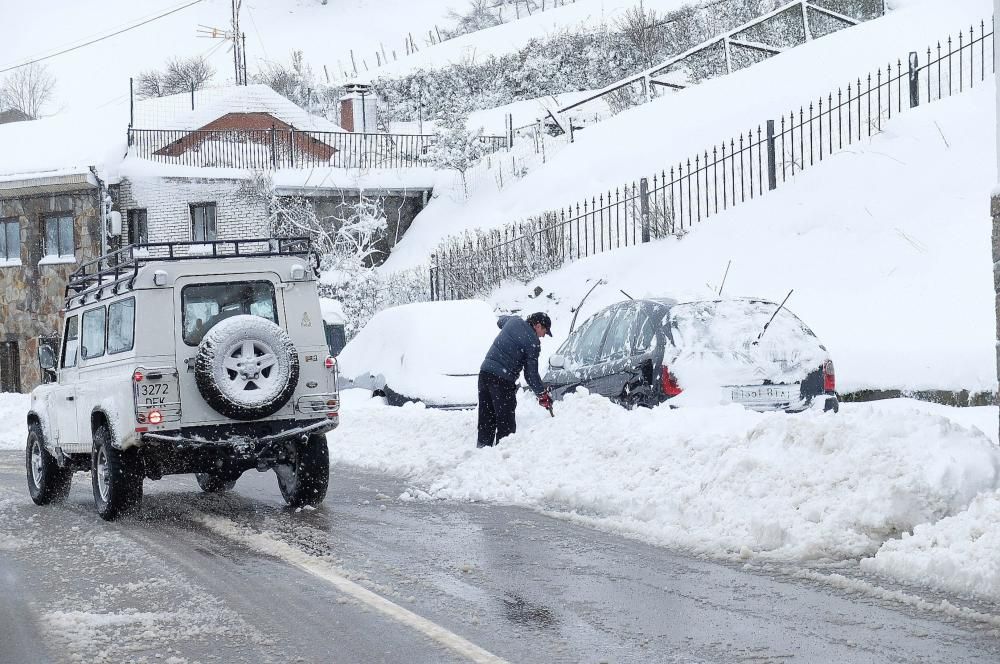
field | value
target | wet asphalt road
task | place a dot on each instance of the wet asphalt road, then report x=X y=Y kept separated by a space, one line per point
x=175 y=582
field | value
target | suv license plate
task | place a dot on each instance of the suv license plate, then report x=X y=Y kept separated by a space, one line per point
x=764 y=393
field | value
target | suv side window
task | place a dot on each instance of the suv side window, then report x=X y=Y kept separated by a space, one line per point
x=71 y=343
x=93 y=333
x=121 y=326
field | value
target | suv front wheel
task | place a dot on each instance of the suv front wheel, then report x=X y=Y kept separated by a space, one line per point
x=304 y=478
x=117 y=477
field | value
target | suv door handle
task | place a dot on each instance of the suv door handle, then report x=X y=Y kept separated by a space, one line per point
x=70 y=398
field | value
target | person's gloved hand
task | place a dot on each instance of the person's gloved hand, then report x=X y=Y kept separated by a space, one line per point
x=545 y=400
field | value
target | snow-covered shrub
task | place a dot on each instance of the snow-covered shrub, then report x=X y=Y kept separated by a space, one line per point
x=455 y=146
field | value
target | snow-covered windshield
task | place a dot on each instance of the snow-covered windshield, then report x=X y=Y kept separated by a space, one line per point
x=205 y=305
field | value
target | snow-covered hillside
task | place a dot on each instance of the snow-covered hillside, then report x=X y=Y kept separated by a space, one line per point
x=582 y=15
x=654 y=136
x=887 y=247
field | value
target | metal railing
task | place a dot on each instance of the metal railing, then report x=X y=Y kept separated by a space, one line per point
x=743 y=168
x=267 y=149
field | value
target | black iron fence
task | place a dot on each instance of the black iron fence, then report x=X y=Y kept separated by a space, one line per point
x=267 y=149
x=672 y=201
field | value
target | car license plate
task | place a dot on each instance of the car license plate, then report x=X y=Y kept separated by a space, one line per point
x=763 y=393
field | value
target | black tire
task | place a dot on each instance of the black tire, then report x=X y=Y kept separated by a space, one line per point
x=47 y=482
x=306 y=476
x=246 y=368
x=211 y=483
x=116 y=476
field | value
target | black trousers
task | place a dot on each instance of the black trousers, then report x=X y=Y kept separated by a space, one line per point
x=497 y=401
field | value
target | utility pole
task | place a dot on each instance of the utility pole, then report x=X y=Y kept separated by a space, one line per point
x=236 y=36
x=995 y=210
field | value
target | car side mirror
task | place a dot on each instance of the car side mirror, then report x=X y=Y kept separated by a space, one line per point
x=46 y=357
x=557 y=362
x=47 y=363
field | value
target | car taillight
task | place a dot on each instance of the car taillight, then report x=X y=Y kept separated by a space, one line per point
x=154 y=417
x=829 y=378
x=330 y=363
x=669 y=383
x=137 y=376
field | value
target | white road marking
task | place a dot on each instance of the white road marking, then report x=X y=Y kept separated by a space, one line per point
x=327 y=572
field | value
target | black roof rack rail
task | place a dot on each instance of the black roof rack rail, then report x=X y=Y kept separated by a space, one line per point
x=115 y=272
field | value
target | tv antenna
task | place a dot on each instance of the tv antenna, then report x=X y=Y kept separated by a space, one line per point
x=234 y=35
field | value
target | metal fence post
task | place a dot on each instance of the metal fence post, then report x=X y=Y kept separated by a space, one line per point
x=772 y=167
x=274 y=161
x=914 y=80
x=644 y=208
x=433 y=275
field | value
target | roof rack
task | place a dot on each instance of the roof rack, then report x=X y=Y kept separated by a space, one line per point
x=115 y=272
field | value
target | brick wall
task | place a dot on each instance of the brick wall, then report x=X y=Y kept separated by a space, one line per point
x=168 y=207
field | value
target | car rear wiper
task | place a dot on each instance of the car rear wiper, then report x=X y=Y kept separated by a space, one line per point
x=768 y=323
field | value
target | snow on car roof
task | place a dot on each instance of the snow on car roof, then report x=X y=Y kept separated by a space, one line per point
x=417 y=347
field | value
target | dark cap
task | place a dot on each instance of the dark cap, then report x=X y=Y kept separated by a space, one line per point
x=543 y=318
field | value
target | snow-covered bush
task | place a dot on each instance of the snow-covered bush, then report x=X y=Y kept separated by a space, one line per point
x=348 y=243
x=455 y=146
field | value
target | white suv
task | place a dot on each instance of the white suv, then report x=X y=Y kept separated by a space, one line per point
x=206 y=358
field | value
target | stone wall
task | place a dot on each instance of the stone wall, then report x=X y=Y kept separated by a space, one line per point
x=31 y=295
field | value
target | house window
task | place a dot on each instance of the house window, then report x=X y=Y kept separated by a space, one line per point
x=138 y=231
x=10 y=241
x=59 y=236
x=203 y=222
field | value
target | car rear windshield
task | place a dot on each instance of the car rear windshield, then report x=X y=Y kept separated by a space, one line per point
x=205 y=305
x=734 y=325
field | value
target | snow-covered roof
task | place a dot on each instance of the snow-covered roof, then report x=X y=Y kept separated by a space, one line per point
x=175 y=112
x=79 y=140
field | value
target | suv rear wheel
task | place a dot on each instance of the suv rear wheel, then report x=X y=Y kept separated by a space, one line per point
x=117 y=477
x=47 y=482
x=304 y=479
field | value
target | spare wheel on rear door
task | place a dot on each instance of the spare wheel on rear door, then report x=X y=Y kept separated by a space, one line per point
x=246 y=368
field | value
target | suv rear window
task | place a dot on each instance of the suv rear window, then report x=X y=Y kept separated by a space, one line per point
x=205 y=305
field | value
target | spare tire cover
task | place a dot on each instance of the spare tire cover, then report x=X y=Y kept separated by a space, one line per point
x=246 y=368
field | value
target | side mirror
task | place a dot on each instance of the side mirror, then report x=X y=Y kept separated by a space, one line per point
x=46 y=357
x=557 y=362
x=47 y=363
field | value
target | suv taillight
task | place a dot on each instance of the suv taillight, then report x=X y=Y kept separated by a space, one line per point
x=330 y=363
x=829 y=378
x=668 y=382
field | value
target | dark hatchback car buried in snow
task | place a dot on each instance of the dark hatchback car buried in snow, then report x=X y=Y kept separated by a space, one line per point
x=708 y=352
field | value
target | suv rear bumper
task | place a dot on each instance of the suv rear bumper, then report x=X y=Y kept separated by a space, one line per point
x=239 y=435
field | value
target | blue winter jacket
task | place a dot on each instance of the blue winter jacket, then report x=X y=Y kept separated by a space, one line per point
x=516 y=348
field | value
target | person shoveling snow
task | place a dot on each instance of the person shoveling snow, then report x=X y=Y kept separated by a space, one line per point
x=515 y=349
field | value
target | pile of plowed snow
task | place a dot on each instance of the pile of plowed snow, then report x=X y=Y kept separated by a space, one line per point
x=722 y=481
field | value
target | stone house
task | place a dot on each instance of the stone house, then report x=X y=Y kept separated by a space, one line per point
x=48 y=226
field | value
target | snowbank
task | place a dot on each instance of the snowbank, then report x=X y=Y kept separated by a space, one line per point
x=723 y=481
x=13 y=415
x=960 y=553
